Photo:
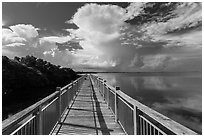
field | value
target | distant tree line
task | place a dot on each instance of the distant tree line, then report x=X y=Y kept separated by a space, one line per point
x=28 y=79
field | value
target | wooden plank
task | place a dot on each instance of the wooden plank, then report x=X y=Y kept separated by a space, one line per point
x=89 y=115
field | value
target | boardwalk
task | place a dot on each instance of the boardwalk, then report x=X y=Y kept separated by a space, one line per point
x=88 y=115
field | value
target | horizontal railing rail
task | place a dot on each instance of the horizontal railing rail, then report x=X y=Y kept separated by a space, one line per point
x=42 y=117
x=135 y=117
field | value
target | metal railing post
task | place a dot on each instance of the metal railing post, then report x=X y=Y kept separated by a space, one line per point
x=79 y=82
x=136 y=120
x=102 y=83
x=71 y=89
x=76 y=87
x=107 y=96
x=60 y=101
x=40 y=121
x=97 y=81
x=68 y=90
x=99 y=84
x=116 y=103
x=103 y=93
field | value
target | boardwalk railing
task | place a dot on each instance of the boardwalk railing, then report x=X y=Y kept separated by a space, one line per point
x=134 y=117
x=42 y=117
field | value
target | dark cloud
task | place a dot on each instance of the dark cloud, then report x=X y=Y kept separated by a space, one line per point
x=157 y=11
x=183 y=30
x=70 y=45
x=120 y=4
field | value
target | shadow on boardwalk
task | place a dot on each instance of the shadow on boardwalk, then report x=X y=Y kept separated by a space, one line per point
x=105 y=130
x=88 y=114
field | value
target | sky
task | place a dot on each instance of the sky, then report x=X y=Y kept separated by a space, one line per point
x=119 y=36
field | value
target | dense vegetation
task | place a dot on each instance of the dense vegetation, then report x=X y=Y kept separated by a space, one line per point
x=28 y=79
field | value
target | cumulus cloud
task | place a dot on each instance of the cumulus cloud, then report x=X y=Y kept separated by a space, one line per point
x=21 y=33
x=9 y=37
x=99 y=29
x=99 y=18
x=19 y=40
x=23 y=39
x=98 y=24
x=25 y=31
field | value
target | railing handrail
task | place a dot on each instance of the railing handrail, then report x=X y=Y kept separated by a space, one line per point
x=168 y=123
x=18 y=117
x=164 y=120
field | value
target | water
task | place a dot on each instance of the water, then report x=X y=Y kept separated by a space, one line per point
x=176 y=95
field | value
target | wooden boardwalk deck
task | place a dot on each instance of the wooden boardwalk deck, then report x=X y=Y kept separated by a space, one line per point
x=88 y=115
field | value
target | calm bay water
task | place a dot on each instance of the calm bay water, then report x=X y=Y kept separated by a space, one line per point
x=176 y=95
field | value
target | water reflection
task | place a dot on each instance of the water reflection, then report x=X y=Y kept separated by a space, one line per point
x=178 y=97
x=158 y=83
